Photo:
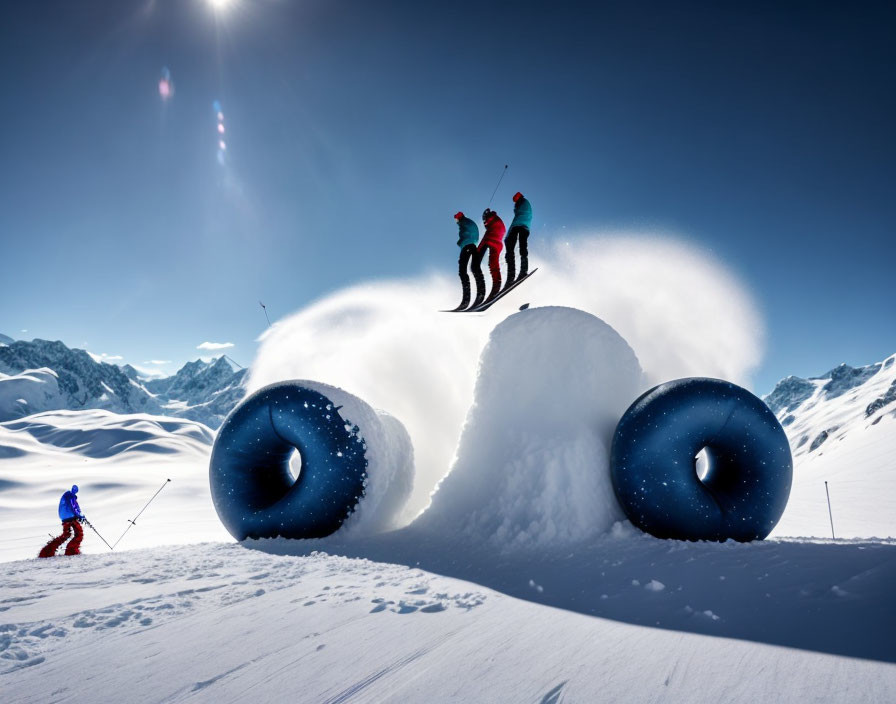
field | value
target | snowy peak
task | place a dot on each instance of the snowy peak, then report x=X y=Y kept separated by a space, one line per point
x=82 y=382
x=846 y=401
x=5 y=340
x=202 y=391
x=44 y=375
x=788 y=394
x=195 y=379
x=845 y=378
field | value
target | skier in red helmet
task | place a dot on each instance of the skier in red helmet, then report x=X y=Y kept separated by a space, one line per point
x=493 y=241
x=468 y=238
x=519 y=232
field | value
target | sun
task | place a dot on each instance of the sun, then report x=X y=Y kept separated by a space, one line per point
x=219 y=4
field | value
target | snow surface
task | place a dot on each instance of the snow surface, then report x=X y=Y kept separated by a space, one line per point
x=118 y=461
x=29 y=392
x=220 y=623
x=506 y=589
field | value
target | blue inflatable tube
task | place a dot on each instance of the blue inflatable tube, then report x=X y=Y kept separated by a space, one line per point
x=252 y=487
x=653 y=462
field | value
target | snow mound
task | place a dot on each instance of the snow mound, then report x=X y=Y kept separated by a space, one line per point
x=533 y=462
x=32 y=391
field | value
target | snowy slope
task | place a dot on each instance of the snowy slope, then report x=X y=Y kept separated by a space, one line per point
x=219 y=623
x=32 y=391
x=842 y=429
x=118 y=461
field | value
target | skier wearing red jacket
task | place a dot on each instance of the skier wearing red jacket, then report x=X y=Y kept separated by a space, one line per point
x=493 y=241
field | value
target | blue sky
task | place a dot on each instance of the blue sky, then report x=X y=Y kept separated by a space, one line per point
x=355 y=130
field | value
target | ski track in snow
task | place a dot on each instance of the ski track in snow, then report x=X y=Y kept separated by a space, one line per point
x=174 y=584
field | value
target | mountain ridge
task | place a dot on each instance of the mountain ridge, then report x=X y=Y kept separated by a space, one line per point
x=43 y=375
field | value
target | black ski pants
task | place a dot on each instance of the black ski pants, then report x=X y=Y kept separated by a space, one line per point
x=469 y=259
x=521 y=234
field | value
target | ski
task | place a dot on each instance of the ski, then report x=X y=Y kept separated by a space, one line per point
x=504 y=291
x=482 y=307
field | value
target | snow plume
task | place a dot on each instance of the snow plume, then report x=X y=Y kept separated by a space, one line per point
x=682 y=312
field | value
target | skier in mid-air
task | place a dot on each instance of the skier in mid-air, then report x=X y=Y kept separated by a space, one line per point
x=493 y=241
x=519 y=232
x=468 y=238
x=71 y=516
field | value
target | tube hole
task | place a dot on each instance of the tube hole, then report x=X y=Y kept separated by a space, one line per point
x=295 y=465
x=701 y=464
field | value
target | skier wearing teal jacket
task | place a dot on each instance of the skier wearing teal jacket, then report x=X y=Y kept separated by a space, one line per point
x=468 y=238
x=519 y=232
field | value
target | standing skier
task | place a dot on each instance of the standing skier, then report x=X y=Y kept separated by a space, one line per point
x=468 y=237
x=519 y=231
x=71 y=516
x=493 y=241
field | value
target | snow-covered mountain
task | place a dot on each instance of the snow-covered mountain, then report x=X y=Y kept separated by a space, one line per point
x=201 y=391
x=842 y=430
x=80 y=381
x=41 y=375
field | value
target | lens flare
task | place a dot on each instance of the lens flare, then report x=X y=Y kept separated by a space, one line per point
x=166 y=85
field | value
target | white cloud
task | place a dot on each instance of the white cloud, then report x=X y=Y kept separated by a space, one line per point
x=149 y=373
x=682 y=312
x=214 y=346
x=105 y=357
x=157 y=361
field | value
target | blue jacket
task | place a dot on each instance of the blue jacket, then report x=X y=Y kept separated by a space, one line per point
x=522 y=214
x=68 y=507
x=469 y=232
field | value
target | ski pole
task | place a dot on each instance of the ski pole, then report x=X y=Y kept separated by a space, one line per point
x=98 y=533
x=134 y=521
x=830 y=515
x=265 y=309
x=496 y=187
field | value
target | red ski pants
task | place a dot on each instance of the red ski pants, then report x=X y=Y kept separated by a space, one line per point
x=74 y=546
x=494 y=264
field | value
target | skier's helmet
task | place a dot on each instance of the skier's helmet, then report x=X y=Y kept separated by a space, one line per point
x=486 y=214
x=517 y=196
x=458 y=215
x=74 y=488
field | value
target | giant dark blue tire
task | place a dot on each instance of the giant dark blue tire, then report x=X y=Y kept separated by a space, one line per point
x=252 y=487
x=652 y=462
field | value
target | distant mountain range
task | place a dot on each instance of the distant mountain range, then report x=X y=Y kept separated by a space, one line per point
x=817 y=412
x=41 y=375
